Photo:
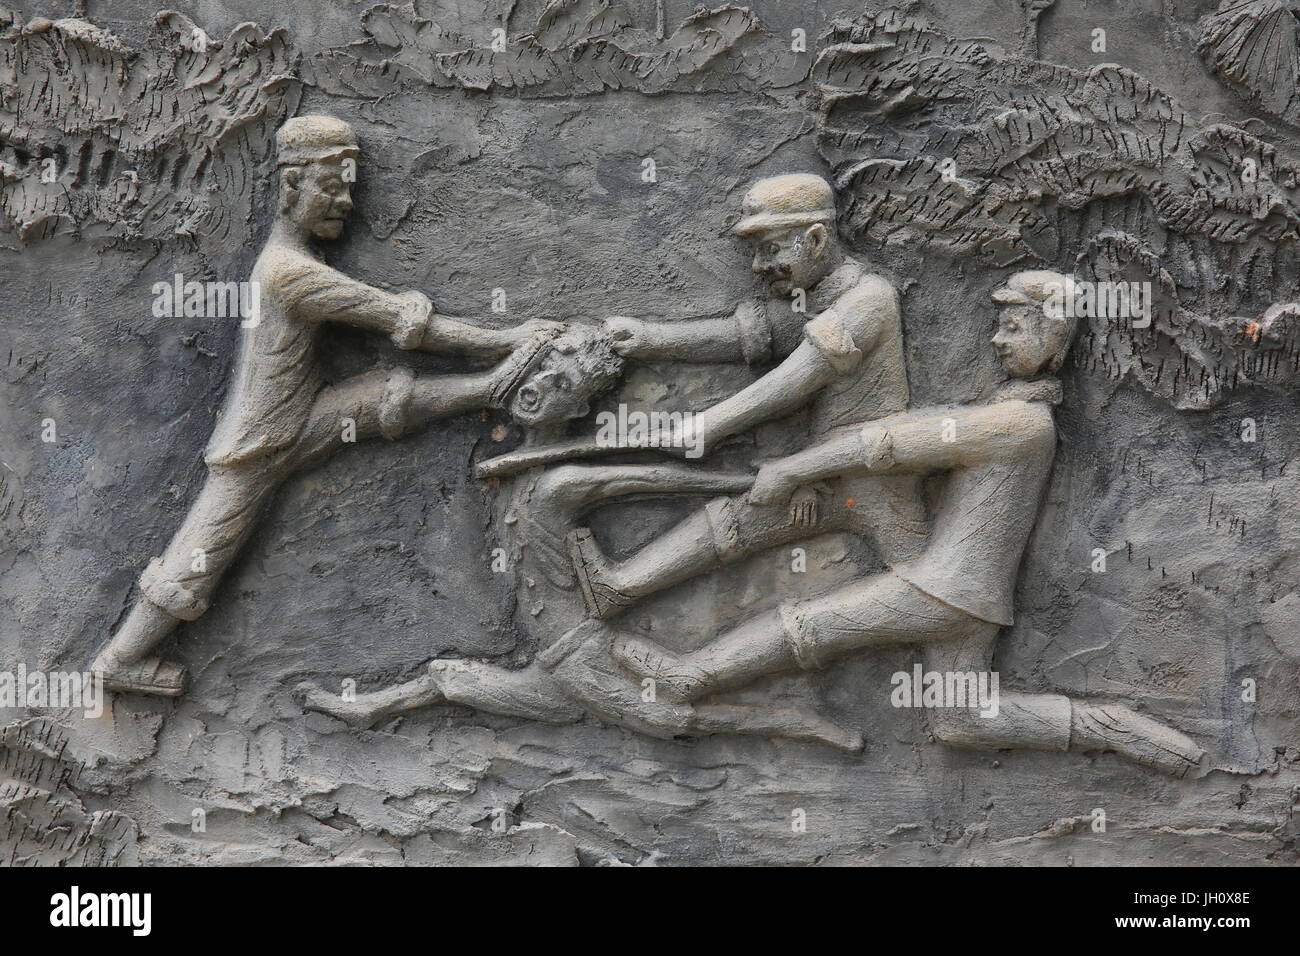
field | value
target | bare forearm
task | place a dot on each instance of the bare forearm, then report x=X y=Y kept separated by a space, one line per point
x=687 y=340
x=446 y=334
x=841 y=455
x=785 y=389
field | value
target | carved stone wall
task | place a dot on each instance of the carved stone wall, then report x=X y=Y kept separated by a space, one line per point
x=965 y=140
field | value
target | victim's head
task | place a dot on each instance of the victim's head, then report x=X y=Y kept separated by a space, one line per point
x=789 y=221
x=1035 y=325
x=317 y=159
x=572 y=370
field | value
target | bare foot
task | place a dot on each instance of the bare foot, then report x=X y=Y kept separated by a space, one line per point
x=313 y=697
x=1140 y=739
x=603 y=600
x=152 y=675
x=678 y=679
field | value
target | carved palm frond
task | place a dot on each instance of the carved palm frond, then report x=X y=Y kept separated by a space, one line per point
x=956 y=146
x=108 y=140
x=1251 y=44
x=577 y=47
x=1188 y=358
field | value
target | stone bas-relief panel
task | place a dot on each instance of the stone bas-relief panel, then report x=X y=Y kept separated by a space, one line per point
x=594 y=433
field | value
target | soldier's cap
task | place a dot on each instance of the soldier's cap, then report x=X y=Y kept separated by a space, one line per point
x=1033 y=287
x=784 y=202
x=310 y=139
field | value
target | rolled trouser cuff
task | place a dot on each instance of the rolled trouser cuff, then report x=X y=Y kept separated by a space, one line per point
x=797 y=640
x=413 y=320
x=171 y=596
x=724 y=526
x=394 y=404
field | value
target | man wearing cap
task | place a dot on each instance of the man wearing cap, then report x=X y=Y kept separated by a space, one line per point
x=846 y=361
x=995 y=459
x=280 y=415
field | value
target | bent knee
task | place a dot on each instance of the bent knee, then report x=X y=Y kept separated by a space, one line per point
x=569 y=482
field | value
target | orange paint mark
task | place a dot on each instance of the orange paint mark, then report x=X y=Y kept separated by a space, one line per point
x=850 y=502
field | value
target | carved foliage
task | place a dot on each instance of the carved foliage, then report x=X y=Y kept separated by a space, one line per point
x=115 y=141
x=1029 y=134
x=42 y=819
x=1251 y=45
x=1189 y=358
x=577 y=47
x=955 y=145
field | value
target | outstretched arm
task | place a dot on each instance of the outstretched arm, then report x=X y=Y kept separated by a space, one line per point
x=452 y=335
x=833 y=346
x=937 y=441
x=687 y=340
x=743 y=336
x=578 y=487
x=785 y=389
x=313 y=292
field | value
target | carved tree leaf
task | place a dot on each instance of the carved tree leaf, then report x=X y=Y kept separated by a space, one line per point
x=564 y=22
x=1252 y=44
x=1173 y=358
x=914 y=203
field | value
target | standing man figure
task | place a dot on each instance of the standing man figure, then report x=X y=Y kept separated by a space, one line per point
x=280 y=415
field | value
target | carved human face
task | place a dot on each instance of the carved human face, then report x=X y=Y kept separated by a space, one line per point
x=1026 y=339
x=318 y=197
x=790 y=259
x=577 y=367
x=554 y=393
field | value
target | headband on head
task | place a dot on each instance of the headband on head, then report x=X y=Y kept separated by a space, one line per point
x=304 y=157
x=529 y=357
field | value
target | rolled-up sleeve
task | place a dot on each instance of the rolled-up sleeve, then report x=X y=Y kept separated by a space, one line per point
x=311 y=291
x=755 y=332
x=413 y=320
x=831 y=337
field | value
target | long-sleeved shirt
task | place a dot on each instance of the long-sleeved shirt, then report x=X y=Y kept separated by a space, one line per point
x=997 y=467
x=276 y=373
